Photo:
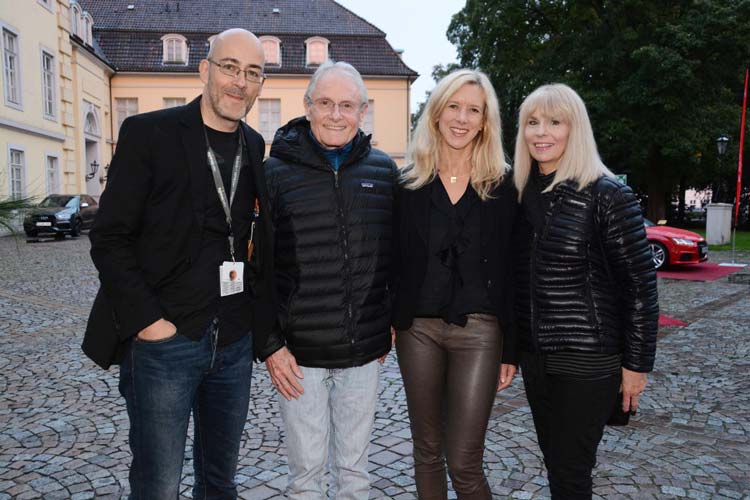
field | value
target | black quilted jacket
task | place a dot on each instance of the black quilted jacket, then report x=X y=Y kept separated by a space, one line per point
x=587 y=282
x=332 y=250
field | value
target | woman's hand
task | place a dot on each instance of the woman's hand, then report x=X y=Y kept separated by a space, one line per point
x=505 y=378
x=633 y=384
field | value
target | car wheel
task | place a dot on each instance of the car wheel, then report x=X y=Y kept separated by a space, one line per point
x=660 y=257
x=75 y=228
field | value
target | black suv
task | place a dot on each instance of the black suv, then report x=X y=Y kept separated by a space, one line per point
x=61 y=214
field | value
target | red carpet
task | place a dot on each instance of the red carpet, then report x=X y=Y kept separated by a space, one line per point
x=665 y=320
x=705 y=271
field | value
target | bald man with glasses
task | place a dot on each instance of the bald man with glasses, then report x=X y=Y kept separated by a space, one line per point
x=180 y=242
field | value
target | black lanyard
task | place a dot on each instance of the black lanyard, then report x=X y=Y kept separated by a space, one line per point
x=219 y=183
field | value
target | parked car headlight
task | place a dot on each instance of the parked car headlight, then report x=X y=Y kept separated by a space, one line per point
x=684 y=242
x=63 y=216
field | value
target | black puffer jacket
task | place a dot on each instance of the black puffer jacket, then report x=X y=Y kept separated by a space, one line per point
x=333 y=249
x=587 y=282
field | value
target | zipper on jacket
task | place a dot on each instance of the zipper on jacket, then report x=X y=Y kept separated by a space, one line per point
x=554 y=208
x=345 y=244
x=532 y=293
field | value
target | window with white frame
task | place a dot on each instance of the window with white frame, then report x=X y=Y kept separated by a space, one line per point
x=53 y=174
x=48 y=85
x=317 y=51
x=91 y=120
x=271 y=50
x=88 y=24
x=173 y=102
x=175 y=49
x=47 y=4
x=368 y=124
x=16 y=167
x=124 y=107
x=11 y=68
x=269 y=111
x=75 y=19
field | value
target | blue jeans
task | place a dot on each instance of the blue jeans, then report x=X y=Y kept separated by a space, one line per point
x=335 y=415
x=162 y=383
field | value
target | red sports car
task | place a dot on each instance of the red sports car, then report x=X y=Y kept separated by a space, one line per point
x=672 y=246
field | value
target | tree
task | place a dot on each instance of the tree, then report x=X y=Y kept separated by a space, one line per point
x=661 y=79
x=438 y=72
x=9 y=209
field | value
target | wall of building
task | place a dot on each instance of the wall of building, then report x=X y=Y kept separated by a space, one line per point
x=25 y=126
x=92 y=95
x=81 y=85
x=389 y=98
x=84 y=84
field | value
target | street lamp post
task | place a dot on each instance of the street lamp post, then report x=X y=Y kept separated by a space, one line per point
x=721 y=144
x=721 y=148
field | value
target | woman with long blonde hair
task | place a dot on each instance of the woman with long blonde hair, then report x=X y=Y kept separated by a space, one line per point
x=586 y=302
x=451 y=310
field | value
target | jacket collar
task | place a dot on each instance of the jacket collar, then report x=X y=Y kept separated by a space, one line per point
x=195 y=148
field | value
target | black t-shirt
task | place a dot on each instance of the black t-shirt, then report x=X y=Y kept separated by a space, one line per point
x=194 y=297
x=454 y=286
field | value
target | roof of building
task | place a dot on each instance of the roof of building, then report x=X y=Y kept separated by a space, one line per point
x=131 y=37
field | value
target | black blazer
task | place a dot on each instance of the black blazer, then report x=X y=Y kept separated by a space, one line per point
x=412 y=237
x=150 y=221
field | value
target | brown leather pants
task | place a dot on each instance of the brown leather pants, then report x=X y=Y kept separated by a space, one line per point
x=450 y=376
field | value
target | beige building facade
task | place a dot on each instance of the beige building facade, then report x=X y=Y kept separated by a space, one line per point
x=281 y=100
x=54 y=115
x=73 y=70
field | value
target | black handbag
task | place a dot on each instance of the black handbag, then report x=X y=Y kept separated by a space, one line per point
x=619 y=418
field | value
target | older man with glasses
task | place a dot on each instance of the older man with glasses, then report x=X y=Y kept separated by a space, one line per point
x=331 y=199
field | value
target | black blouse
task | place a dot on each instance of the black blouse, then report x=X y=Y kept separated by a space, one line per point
x=453 y=286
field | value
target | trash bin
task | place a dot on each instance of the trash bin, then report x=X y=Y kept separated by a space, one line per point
x=719 y=223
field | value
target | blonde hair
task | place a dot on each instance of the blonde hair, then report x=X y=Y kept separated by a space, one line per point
x=580 y=160
x=487 y=158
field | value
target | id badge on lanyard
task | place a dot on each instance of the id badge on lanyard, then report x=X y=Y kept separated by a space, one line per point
x=231 y=274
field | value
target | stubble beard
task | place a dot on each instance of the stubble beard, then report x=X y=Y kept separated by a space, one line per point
x=226 y=114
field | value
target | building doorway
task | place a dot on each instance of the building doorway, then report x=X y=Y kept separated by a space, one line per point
x=92 y=169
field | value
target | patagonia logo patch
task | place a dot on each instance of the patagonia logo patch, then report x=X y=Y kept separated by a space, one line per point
x=368 y=185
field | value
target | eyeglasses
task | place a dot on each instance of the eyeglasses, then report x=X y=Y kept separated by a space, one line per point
x=345 y=107
x=230 y=69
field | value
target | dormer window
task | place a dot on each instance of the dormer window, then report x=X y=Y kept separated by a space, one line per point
x=75 y=19
x=272 y=50
x=86 y=32
x=317 y=51
x=175 y=49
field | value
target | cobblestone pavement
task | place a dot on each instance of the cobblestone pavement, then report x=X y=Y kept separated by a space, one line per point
x=63 y=425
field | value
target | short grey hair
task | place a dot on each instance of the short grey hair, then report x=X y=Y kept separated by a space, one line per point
x=343 y=67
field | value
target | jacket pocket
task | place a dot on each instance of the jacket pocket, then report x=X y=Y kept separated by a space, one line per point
x=285 y=316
